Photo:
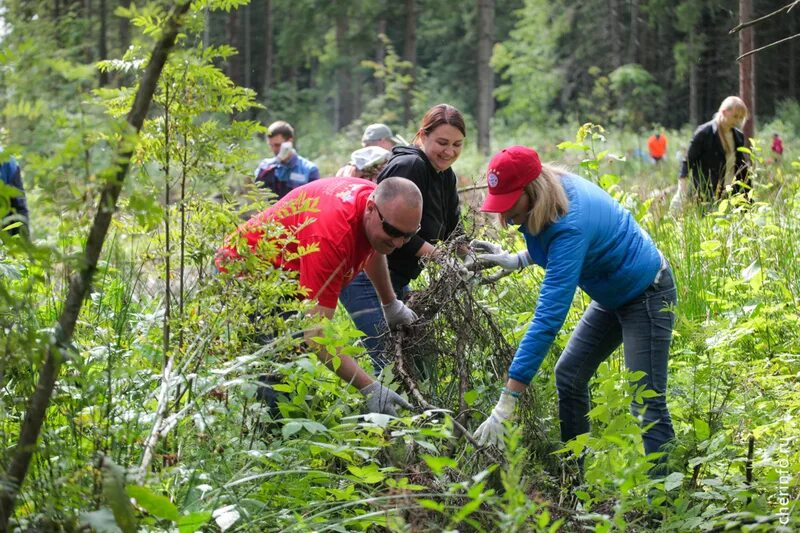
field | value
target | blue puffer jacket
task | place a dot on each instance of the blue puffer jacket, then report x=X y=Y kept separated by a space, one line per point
x=597 y=246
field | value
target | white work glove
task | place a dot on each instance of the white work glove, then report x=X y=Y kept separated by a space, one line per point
x=497 y=257
x=398 y=314
x=383 y=400
x=454 y=265
x=492 y=429
x=286 y=152
x=681 y=195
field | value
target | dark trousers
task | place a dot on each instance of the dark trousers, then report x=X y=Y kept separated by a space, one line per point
x=644 y=328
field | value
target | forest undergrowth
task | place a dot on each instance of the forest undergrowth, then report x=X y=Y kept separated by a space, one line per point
x=152 y=425
x=155 y=404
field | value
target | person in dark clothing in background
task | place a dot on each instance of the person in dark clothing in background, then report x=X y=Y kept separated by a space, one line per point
x=427 y=162
x=17 y=208
x=713 y=158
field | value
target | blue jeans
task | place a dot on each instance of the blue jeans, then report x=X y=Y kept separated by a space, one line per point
x=644 y=327
x=364 y=307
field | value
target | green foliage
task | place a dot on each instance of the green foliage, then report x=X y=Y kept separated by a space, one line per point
x=323 y=465
x=528 y=64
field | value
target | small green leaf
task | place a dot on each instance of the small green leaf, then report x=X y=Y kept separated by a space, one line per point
x=701 y=429
x=470 y=396
x=155 y=504
x=291 y=428
x=673 y=481
x=439 y=463
x=192 y=522
x=314 y=427
x=430 y=504
x=368 y=474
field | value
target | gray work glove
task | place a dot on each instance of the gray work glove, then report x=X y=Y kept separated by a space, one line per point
x=383 y=400
x=496 y=256
x=398 y=314
x=492 y=429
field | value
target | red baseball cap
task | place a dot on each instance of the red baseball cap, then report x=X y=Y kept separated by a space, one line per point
x=508 y=173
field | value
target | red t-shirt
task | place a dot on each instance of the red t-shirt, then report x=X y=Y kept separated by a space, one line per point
x=328 y=213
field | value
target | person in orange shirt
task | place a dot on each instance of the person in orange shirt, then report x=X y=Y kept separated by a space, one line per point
x=657 y=145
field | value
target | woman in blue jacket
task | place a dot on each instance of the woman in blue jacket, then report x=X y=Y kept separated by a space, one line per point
x=582 y=238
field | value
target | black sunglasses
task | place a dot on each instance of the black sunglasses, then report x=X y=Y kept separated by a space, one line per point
x=392 y=231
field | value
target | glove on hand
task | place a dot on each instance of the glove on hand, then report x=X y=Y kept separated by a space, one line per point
x=492 y=430
x=494 y=255
x=681 y=195
x=383 y=400
x=457 y=266
x=398 y=314
x=485 y=247
x=286 y=151
x=506 y=260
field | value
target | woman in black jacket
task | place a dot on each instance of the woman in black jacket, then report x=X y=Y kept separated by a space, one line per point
x=427 y=162
x=713 y=158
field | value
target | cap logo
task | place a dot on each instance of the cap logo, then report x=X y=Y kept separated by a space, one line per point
x=492 y=179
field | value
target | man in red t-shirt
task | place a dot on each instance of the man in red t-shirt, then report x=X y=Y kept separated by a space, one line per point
x=348 y=220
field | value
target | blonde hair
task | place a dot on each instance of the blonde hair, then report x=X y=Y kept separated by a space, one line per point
x=731 y=103
x=548 y=199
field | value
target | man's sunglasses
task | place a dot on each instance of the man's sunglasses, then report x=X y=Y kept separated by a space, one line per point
x=392 y=231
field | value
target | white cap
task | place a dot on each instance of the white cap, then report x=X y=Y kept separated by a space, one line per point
x=369 y=156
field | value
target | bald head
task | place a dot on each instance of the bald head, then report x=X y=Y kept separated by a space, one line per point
x=393 y=214
x=392 y=189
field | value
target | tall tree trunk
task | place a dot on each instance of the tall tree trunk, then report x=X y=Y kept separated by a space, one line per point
x=233 y=34
x=269 y=53
x=246 y=45
x=793 y=60
x=485 y=73
x=380 y=52
x=80 y=282
x=102 y=43
x=694 y=113
x=614 y=34
x=410 y=55
x=344 y=79
x=747 y=67
x=633 y=34
x=124 y=27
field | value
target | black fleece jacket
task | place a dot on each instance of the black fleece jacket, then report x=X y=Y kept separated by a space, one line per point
x=440 y=213
x=705 y=161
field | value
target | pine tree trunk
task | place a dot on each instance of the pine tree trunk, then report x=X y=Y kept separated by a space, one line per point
x=102 y=44
x=269 y=53
x=344 y=96
x=124 y=27
x=380 y=54
x=747 y=68
x=485 y=73
x=247 y=48
x=614 y=33
x=633 y=34
x=410 y=55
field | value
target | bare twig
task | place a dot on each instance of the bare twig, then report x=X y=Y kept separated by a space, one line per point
x=749 y=23
x=405 y=377
x=751 y=52
x=163 y=402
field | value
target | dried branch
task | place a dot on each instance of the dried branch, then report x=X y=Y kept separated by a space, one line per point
x=749 y=23
x=751 y=52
